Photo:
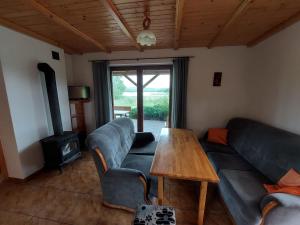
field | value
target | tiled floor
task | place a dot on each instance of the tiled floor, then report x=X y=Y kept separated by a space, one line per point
x=74 y=198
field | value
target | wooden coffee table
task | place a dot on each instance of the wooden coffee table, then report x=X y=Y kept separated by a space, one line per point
x=180 y=156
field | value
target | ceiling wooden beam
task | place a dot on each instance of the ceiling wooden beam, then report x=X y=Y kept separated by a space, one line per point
x=18 y=28
x=60 y=21
x=243 y=6
x=178 y=21
x=291 y=20
x=114 y=12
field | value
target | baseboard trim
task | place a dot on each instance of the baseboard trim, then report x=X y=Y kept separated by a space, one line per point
x=26 y=179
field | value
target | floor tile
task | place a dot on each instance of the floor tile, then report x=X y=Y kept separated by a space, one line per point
x=9 y=218
x=39 y=221
x=56 y=204
x=74 y=197
x=87 y=210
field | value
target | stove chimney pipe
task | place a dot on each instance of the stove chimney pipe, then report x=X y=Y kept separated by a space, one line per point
x=52 y=97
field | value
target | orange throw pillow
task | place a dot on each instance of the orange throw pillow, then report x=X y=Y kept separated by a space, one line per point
x=218 y=135
x=279 y=189
x=289 y=184
x=291 y=178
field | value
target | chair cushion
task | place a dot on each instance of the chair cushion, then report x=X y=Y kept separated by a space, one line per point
x=242 y=192
x=148 y=149
x=228 y=161
x=212 y=147
x=142 y=163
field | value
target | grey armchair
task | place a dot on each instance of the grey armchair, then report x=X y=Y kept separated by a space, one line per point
x=123 y=159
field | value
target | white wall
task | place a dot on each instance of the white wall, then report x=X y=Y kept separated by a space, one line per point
x=69 y=69
x=19 y=57
x=207 y=106
x=7 y=135
x=275 y=80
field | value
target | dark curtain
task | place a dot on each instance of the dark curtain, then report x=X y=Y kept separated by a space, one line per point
x=179 y=92
x=102 y=93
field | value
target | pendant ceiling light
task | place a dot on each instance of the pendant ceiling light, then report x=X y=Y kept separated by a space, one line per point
x=146 y=37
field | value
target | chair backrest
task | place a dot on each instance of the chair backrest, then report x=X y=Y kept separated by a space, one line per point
x=270 y=150
x=114 y=141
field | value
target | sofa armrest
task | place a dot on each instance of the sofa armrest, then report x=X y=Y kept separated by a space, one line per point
x=283 y=215
x=287 y=211
x=285 y=200
x=124 y=187
x=142 y=139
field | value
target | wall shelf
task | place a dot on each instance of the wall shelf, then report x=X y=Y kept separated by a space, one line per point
x=78 y=119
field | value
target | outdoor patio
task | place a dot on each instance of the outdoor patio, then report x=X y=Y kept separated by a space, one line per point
x=153 y=126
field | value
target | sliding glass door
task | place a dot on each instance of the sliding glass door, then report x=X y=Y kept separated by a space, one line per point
x=143 y=94
x=156 y=99
x=124 y=86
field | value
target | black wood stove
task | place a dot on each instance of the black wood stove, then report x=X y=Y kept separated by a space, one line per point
x=62 y=147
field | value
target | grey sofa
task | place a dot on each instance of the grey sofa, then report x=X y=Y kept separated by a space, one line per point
x=123 y=159
x=257 y=154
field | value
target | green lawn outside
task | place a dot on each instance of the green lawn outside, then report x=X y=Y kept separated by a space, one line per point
x=156 y=100
x=156 y=107
x=148 y=100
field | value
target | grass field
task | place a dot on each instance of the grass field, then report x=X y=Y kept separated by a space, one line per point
x=156 y=105
x=162 y=99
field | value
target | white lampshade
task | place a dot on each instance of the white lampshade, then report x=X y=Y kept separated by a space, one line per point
x=146 y=37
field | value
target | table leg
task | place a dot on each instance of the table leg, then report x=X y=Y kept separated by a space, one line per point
x=160 y=190
x=202 y=200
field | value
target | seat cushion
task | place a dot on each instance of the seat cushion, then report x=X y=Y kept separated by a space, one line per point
x=228 y=161
x=212 y=147
x=242 y=192
x=148 y=149
x=142 y=163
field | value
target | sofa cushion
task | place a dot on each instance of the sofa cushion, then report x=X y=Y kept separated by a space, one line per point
x=108 y=139
x=242 y=192
x=228 y=161
x=238 y=129
x=270 y=150
x=212 y=147
x=142 y=163
x=125 y=127
x=148 y=149
x=142 y=138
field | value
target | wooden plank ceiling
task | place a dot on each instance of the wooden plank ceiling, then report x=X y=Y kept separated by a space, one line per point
x=81 y=26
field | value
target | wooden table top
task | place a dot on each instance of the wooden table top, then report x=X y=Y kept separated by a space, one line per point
x=179 y=155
